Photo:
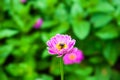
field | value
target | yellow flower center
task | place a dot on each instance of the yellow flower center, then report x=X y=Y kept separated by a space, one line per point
x=72 y=56
x=60 y=46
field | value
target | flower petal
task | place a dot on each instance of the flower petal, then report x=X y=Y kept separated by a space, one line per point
x=52 y=51
x=76 y=54
x=54 y=42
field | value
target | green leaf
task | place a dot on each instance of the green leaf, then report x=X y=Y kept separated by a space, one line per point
x=55 y=67
x=46 y=77
x=110 y=53
x=45 y=54
x=24 y=47
x=60 y=29
x=115 y=75
x=81 y=29
x=74 y=77
x=89 y=50
x=18 y=8
x=61 y=13
x=41 y=5
x=43 y=65
x=4 y=52
x=48 y=24
x=45 y=37
x=76 y=10
x=104 y=7
x=117 y=12
x=99 y=20
x=51 y=2
x=16 y=69
x=103 y=73
x=31 y=75
x=8 y=24
x=7 y=33
x=107 y=32
x=3 y=76
x=117 y=15
x=118 y=21
x=78 y=70
x=91 y=78
x=115 y=2
x=6 y=4
x=27 y=27
x=95 y=60
x=84 y=71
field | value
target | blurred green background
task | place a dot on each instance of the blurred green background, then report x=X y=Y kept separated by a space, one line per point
x=95 y=24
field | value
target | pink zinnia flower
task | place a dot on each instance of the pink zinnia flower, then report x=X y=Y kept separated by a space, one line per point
x=23 y=1
x=74 y=56
x=60 y=44
x=38 y=23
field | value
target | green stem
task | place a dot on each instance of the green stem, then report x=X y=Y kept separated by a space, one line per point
x=61 y=69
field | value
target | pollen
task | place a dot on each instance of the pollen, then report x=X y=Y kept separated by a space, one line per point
x=60 y=46
x=72 y=56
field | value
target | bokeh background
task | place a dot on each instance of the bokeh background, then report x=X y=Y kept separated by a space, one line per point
x=26 y=26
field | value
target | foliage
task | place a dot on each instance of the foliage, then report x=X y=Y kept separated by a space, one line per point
x=95 y=24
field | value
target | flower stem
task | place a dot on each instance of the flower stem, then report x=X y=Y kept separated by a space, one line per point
x=61 y=69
